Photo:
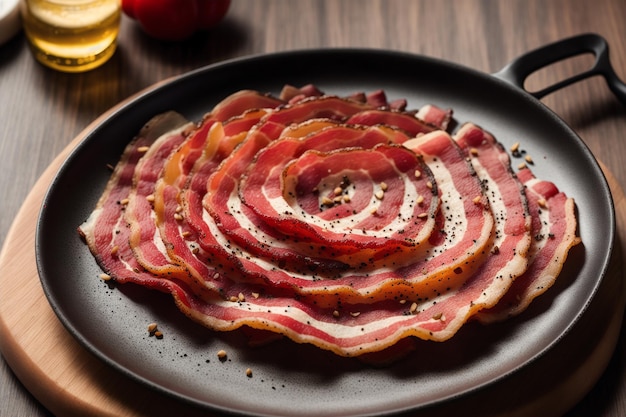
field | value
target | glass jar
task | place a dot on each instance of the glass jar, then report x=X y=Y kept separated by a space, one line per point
x=72 y=35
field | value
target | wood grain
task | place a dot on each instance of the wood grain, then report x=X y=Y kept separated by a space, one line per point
x=42 y=110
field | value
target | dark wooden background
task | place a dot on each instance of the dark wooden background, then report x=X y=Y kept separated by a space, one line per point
x=41 y=111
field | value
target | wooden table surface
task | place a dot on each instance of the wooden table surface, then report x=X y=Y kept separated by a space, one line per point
x=41 y=111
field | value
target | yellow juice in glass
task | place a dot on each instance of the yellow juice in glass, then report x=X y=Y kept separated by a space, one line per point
x=72 y=35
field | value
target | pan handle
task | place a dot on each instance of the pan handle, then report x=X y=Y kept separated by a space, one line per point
x=520 y=68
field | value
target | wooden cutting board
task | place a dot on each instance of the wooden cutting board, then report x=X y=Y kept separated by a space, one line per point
x=70 y=381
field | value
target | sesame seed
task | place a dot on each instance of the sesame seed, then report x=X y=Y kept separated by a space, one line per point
x=418 y=173
x=158 y=334
x=105 y=277
x=383 y=186
x=355 y=313
x=327 y=201
x=528 y=159
x=255 y=294
x=114 y=250
x=124 y=201
x=474 y=151
x=249 y=373
x=241 y=297
x=413 y=308
x=429 y=184
x=477 y=199
x=143 y=149
x=178 y=216
x=338 y=191
x=515 y=147
x=542 y=203
x=150 y=198
x=422 y=215
x=221 y=355
x=346 y=198
x=420 y=199
x=335 y=313
x=380 y=194
x=521 y=166
x=152 y=327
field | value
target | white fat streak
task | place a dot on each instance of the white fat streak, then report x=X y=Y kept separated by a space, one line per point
x=451 y=206
x=157 y=239
x=347 y=224
x=240 y=252
x=121 y=222
x=89 y=225
x=333 y=328
x=544 y=219
x=281 y=205
x=496 y=202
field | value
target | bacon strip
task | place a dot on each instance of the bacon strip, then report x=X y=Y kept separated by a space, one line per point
x=406 y=121
x=106 y=231
x=435 y=116
x=554 y=234
x=141 y=197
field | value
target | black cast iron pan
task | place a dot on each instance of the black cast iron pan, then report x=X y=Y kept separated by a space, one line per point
x=294 y=380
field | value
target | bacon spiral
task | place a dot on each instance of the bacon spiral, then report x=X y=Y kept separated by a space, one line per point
x=349 y=223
